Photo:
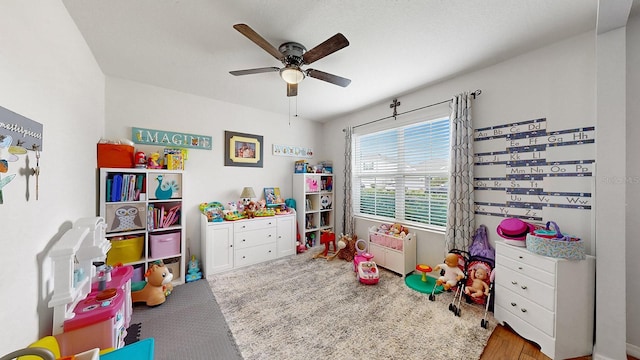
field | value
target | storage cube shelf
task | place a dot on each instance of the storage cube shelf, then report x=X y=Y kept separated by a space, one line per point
x=143 y=212
x=314 y=205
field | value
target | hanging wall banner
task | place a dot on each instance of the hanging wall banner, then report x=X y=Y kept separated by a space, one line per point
x=172 y=139
x=25 y=132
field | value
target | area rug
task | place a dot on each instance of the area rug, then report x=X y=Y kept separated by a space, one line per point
x=298 y=307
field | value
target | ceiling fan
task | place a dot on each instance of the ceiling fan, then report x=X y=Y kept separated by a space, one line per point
x=294 y=55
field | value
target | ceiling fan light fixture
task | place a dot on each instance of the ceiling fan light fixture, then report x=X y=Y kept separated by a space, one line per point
x=291 y=74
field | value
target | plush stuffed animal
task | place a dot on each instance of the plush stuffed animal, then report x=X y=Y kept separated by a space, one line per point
x=346 y=247
x=452 y=273
x=155 y=290
x=479 y=285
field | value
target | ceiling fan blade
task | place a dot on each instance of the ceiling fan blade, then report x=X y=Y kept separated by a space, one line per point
x=245 y=30
x=292 y=89
x=329 y=46
x=330 y=78
x=254 y=71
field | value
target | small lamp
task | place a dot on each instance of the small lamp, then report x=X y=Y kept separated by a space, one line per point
x=291 y=74
x=247 y=194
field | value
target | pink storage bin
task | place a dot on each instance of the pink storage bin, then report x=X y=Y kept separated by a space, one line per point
x=164 y=245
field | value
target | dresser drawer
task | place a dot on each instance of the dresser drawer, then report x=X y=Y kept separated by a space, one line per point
x=254 y=255
x=254 y=224
x=523 y=256
x=525 y=269
x=245 y=239
x=535 y=291
x=540 y=318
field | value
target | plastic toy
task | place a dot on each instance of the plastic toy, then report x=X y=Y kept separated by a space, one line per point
x=140 y=160
x=154 y=161
x=368 y=273
x=452 y=273
x=194 y=272
x=155 y=290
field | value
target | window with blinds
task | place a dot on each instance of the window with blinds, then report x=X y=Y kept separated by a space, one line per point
x=402 y=174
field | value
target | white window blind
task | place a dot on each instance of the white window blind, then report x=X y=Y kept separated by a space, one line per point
x=402 y=174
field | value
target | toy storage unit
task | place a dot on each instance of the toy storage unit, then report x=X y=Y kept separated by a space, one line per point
x=314 y=205
x=233 y=244
x=393 y=253
x=546 y=300
x=145 y=222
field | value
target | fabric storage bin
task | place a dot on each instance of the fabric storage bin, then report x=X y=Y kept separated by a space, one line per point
x=115 y=156
x=164 y=245
x=561 y=245
x=125 y=250
x=138 y=274
x=174 y=267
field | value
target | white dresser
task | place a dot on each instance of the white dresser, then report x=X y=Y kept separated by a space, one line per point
x=546 y=300
x=227 y=245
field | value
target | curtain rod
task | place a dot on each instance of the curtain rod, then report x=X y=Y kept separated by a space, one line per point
x=474 y=94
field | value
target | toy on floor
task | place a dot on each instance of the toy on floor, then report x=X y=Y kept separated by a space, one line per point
x=327 y=238
x=194 y=272
x=156 y=288
x=346 y=247
x=452 y=272
x=368 y=273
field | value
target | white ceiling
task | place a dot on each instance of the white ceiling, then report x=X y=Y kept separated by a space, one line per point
x=396 y=46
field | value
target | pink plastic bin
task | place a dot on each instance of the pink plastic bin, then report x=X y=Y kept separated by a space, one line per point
x=164 y=245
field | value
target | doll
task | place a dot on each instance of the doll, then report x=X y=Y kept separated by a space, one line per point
x=452 y=273
x=479 y=285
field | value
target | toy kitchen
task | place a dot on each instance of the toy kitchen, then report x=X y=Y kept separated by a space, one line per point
x=91 y=301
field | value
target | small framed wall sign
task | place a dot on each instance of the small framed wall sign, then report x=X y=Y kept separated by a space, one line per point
x=243 y=149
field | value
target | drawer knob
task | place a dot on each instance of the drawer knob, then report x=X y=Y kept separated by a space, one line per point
x=523 y=287
x=269 y=235
x=244 y=257
x=521 y=257
x=519 y=267
x=244 y=226
x=523 y=310
x=513 y=304
x=514 y=282
x=243 y=240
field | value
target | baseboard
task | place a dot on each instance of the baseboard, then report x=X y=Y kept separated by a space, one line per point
x=633 y=350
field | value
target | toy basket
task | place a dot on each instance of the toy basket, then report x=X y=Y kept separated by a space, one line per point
x=555 y=244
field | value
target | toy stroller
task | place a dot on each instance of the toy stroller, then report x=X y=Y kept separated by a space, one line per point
x=478 y=284
x=453 y=268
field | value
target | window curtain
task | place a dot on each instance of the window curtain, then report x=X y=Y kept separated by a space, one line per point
x=348 y=224
x=460 y=212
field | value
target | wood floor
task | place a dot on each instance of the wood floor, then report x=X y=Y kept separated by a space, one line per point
x=507 y=345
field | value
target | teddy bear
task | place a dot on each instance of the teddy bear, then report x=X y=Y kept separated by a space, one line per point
x=398 y=230
x=156 y=288
x=479 y=285
x=451 y=274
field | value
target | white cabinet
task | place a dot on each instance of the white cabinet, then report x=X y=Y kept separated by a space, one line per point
x=546 y=300
x=227 y=245
x=286 y=235
x=393 y=253
x=314 y=204
x=216 y=246
x=144 y=218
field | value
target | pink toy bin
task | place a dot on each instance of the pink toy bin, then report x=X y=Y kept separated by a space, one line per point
x=164 y=245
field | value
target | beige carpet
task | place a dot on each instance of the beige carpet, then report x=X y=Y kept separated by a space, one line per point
x=303 y=308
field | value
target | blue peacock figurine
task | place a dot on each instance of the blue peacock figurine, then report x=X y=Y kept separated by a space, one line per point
x=165 y=190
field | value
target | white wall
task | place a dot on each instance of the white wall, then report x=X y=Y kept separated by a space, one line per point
x=48 y=75
x=633 y=185
x=207 y=179
x=556 y=82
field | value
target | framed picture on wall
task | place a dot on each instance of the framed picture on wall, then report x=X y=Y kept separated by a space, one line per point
x=243 y=149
